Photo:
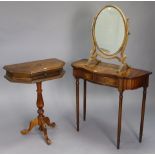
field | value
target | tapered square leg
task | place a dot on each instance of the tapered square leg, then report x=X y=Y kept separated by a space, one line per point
x=142 y=114
x=77 y=103
x=119 y=119
x=84 y=100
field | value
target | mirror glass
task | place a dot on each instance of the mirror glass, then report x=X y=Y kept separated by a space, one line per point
x=109 y=30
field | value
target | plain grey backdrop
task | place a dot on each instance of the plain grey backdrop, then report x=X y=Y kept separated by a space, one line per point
x=40 y=30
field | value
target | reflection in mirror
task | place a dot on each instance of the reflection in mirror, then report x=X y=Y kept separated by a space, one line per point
x=109 y=30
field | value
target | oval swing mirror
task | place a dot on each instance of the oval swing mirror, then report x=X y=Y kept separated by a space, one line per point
x=110 y=34
x=109 y=30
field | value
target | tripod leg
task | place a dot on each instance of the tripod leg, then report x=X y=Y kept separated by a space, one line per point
x=32 y=124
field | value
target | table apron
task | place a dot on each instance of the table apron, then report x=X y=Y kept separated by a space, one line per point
x=120 y=83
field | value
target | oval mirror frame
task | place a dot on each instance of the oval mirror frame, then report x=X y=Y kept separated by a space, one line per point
x=121 y=49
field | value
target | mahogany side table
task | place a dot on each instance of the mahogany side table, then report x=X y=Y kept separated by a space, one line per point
x=107 y=74
x=36 y=72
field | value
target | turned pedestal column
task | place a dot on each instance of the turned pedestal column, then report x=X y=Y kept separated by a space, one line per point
x=41 y=120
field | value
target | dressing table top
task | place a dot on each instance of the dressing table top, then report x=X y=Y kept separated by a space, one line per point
x=107 y=69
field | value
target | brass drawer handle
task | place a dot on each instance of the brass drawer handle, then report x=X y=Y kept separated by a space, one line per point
x=45 y=74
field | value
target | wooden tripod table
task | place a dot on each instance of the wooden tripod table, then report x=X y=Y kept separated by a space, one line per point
x=107 y=74
x=36 y=72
